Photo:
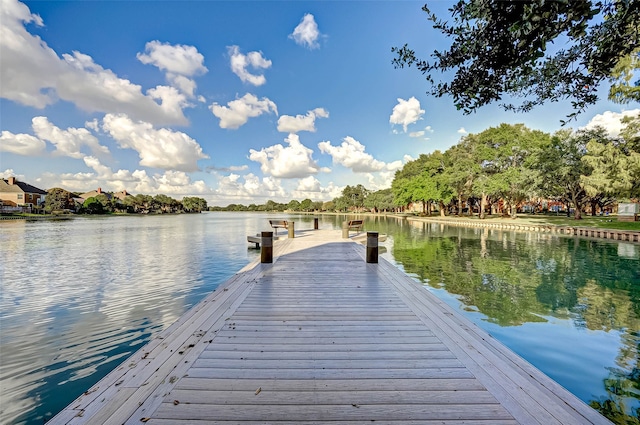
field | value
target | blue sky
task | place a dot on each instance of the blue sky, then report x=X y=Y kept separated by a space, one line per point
x=234 y=102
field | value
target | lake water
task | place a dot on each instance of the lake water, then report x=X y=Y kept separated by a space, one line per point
x=77 y=297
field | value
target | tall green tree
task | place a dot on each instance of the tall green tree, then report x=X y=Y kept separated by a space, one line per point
x=58 y=199
x=501 y=50
x=354 y=196
x=293 y=205
x=501 y=154
x=93 y=205
x=381 y=200
x=195 y=204
x=306 y=205
x=461 y=171
x=557 y=169
x=615 y=165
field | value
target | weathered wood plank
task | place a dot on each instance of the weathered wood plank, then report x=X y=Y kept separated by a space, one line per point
x=321 y=385
x=284 y=373
x=441 y=353
x=265 y=364
x=154 y=421
x=268 y=397
x=377 y=412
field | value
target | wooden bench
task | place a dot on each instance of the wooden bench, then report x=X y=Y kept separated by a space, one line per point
x=255 y=239
x=276 y=224
x=355 y=225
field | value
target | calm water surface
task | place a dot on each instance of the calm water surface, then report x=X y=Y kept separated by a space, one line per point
x=79 y=296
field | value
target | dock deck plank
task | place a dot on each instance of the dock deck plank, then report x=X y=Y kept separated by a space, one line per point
x=318 y=336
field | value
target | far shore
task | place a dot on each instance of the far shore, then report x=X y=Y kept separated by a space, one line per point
x=560 y=220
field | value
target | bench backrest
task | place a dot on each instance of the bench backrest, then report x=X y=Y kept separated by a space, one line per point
x=355 y=222
x=278 y=222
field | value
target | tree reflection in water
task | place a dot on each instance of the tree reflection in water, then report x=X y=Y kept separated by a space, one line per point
x=514 y=279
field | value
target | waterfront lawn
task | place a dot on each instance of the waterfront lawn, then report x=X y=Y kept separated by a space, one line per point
x=601 y=222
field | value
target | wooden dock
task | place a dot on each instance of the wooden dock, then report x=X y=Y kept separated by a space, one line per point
x=319 y=337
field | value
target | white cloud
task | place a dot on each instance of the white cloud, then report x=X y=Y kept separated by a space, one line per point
x=429 y=129
x=310 y=187
x=237 y=112
x=395 y=165
x=306 y=33
x=227 y=169
x=416 y=134
x=21 y=144
x=610 y=121
x=289 y=124
x=32 y=74
x=179 y=59
x=249 y=188
x=351 y=154
x=172 y=183
x=309 y=184
x=159 y=148
x=70 y=142
x=461 y=130
x=286 y=162
x=406 y=112
x=240 y=63
x=9 y=172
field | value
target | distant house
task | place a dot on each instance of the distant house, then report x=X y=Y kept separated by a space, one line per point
x=94 y=193
x=16 y=193
x=122 y=195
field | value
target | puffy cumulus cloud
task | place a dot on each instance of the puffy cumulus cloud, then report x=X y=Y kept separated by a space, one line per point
x=29 y=67
x=176 y=59
x=610 y=121
x=32 y=74
x=237 y=112
x=310 y=187
x=309 y=184
x=393 y=166
x=240 y=63
x=462 y=131
x=289 y=124
x=159 y=148
x=292 y=161
x=306 y=33
x=179 y=61
x=70 y=142
x=379 y=181
x=9 y=172
x=351 y=154
x=21 y=144
x=406 y=112
x=172 y=183
x=249 y=188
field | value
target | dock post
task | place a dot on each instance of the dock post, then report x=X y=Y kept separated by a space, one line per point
x=345 y=230
x=266 y=252
x=372 y=247
x=315 y=223
x=291 y=228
